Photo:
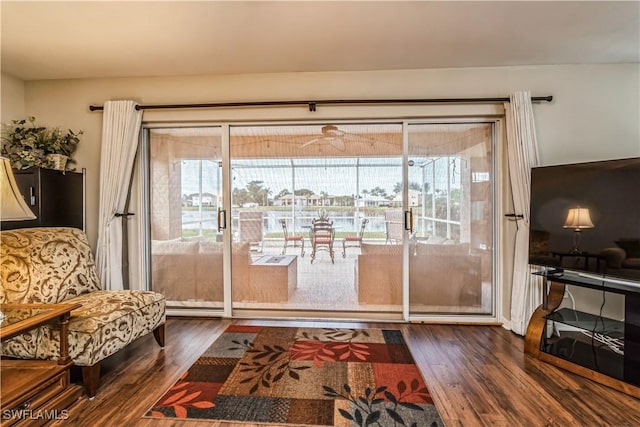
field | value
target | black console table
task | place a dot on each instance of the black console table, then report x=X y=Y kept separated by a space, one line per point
x=604 y=350
x=599 y=260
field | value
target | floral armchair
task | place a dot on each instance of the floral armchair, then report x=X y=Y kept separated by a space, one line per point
x=55 y=265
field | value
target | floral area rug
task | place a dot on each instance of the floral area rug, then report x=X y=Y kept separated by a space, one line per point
x=303 y=376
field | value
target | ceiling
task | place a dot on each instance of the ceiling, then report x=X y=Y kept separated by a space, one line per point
x=88 y=39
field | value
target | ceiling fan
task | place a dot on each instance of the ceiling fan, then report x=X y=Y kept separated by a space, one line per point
x=337 y=138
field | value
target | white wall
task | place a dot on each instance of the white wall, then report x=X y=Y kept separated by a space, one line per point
x=12 y=96
x=595 y=114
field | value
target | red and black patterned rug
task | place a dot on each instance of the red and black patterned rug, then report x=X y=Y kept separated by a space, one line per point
x=303 y=376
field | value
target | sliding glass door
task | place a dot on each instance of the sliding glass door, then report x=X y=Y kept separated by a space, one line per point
x=450 y=194
x=285 y=180
x=186 y=191
x=418 y=219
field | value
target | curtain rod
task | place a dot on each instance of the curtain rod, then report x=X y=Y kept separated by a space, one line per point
x=312 y=104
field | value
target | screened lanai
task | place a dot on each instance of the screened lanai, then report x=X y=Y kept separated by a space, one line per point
x=283 y=177
x=298 y=189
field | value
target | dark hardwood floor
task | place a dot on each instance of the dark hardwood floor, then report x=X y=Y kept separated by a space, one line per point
x=478 y=376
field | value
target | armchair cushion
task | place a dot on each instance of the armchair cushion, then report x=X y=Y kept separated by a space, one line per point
x=191 y=269
x=46 y=266
x=106 y=322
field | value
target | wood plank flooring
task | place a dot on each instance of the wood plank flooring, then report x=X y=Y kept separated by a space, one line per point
x=478 y=376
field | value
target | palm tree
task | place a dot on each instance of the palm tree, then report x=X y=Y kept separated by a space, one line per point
x=258 y=193
x=412 y=186
x=377 y=191
x=283 y=193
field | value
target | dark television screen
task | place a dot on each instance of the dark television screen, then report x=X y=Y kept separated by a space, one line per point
x=586 y=217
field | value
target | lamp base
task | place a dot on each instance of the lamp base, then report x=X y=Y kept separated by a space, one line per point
x=576 y=242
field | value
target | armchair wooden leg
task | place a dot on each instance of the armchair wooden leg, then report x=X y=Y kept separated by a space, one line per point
x=158 y=334
x=91 y=379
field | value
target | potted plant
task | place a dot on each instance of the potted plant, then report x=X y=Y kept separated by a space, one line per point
x=27 y=145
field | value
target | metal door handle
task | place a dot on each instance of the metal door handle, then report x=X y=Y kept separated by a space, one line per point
x=408 y=220
x=222 y=219
x=411 y=220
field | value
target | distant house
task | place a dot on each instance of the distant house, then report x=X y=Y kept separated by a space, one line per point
x=372 y=201
x=316 y=200
x=308 y=200
x=290 y=199
x=204 y=199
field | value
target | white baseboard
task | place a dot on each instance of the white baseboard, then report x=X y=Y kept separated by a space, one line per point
x=506 y=324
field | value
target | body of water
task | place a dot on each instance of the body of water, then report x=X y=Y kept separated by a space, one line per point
x=343 y=221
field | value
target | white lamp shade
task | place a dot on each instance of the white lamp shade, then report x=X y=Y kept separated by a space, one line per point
x=12 y=204
x=578 y=218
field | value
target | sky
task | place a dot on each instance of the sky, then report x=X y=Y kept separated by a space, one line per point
x=336 y=177
x=317 y=175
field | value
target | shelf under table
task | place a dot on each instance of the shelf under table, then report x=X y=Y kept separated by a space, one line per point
x=575 y=347
x=588 y=322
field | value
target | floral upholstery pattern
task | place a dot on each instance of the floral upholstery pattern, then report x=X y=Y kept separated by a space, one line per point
x=45 y=266
x=54 y=265
x=106 y=322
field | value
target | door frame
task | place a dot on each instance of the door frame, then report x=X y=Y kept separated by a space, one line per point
x=498 y=145
x=228 y=311
x=145 y=217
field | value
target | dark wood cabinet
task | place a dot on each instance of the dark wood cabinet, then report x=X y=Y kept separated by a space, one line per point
x=56 y=198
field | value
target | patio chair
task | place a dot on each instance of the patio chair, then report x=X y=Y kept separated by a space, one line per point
x=322 y=235
x=250 y=229
x=393 y=226
x=353 y=241
x=289 y=237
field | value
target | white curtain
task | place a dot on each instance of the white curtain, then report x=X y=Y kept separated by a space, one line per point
x=120 y=128
x=522 y=148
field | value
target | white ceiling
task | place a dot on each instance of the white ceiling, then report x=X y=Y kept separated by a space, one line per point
x=85 y=39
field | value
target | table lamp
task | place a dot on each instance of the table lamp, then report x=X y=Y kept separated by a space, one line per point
x=12 y=204
x=578 y=218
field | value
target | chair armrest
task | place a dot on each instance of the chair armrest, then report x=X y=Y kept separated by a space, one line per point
x=614 y=257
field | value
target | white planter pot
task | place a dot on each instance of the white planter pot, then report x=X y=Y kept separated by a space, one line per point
x=57 y=161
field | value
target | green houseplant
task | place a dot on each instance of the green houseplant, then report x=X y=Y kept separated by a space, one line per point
x=27 y=145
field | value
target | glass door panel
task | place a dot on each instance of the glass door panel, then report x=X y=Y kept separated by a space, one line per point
x=185 y=181
x=286 y=177
x=450 y=193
